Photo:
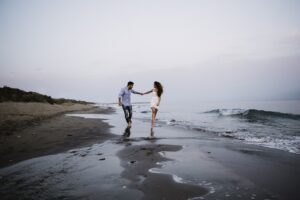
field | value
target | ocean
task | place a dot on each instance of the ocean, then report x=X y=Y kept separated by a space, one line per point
x=273 y=124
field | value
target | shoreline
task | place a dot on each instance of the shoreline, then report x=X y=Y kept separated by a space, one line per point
x=226 y=168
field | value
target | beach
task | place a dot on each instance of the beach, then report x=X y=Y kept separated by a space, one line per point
x=34 y=129
x=18 y=115
x=92 y=158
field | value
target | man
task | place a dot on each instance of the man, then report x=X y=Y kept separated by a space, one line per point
x=125 y=101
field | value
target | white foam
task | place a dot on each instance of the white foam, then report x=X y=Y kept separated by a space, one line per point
x=195 y=198
x=281 y=142
x=86 y=116
x=227 y=112
x=208 y=185
x=175 y=178
x=162 y=154
x=153 y=171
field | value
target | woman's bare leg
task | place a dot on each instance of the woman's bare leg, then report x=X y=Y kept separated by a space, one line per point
x=153 y=117
x=151 y=133
x=154 y=112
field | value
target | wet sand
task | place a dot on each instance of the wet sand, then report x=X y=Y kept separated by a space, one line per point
x=49 y=132
x=177 y=164
x=137 y=160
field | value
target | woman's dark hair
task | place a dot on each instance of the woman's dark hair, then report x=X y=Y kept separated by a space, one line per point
x=159 y=88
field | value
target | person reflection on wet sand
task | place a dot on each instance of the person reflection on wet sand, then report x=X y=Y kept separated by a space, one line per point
x=127 y=132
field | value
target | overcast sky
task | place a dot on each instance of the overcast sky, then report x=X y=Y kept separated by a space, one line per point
x=198 y=49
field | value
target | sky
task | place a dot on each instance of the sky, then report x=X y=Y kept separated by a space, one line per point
x=200 y=50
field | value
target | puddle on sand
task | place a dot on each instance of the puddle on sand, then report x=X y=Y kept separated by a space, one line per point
x=90 y=172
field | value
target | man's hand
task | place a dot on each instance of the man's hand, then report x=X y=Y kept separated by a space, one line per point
x=141 y=94
x=120 y=103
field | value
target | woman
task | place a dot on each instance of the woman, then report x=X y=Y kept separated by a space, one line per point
x=155 y=100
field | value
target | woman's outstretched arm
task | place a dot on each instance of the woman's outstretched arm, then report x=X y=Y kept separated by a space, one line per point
x=148 y=92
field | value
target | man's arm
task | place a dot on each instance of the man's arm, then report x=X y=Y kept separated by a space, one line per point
x=148 y=92
x=120 y=96
x=135 y=92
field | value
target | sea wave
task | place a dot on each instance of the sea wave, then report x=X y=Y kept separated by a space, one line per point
x=272 y=135
x=286 y=143
x=253 y=126
x=253 y=113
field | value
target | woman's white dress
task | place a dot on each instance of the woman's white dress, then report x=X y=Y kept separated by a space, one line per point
x=154 y=99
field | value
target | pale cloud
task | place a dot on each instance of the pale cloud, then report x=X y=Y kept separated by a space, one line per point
x=73 y=48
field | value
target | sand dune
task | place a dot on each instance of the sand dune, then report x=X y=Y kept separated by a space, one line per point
x=17 y=115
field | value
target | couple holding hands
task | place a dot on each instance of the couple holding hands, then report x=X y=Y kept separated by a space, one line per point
x=125 y=100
